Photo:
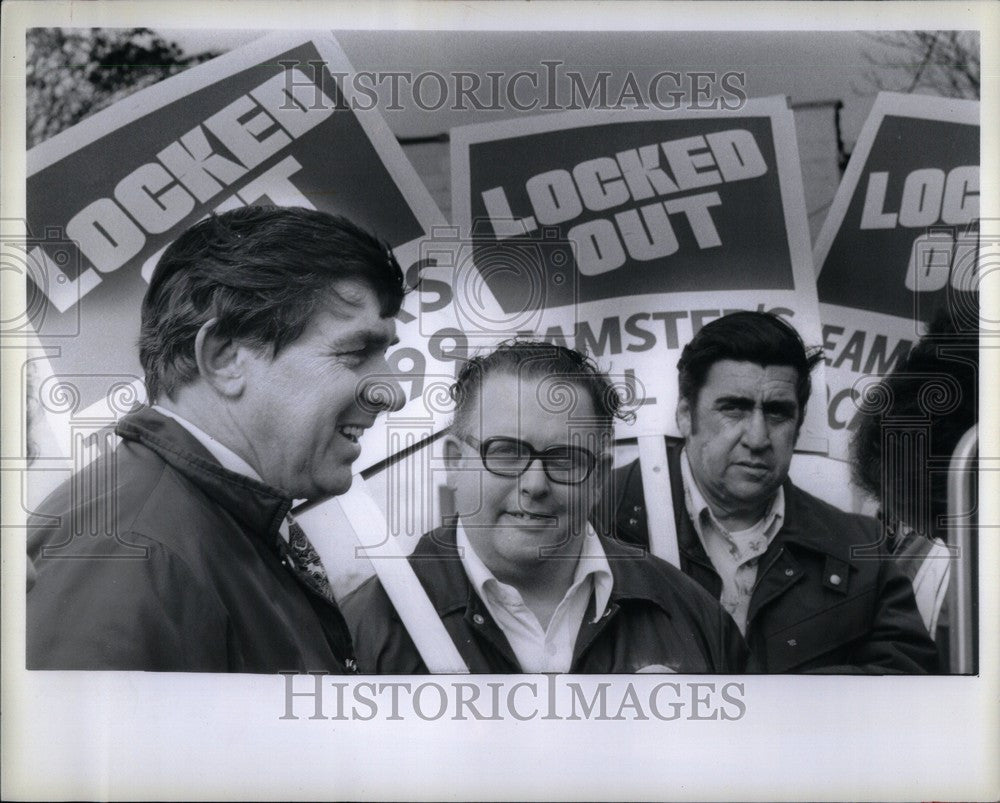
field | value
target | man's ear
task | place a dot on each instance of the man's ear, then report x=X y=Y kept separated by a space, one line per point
x=221 y=361
x=683 y=417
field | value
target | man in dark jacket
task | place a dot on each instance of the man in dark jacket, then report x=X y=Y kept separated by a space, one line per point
x=264 y=331
x=520 y=580
x=811 y=587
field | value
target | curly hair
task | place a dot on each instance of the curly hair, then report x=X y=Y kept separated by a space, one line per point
x=537 y=359
x=932 y=395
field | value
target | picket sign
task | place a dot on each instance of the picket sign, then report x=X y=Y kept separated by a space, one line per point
x=106 y=197
x=404 y=590
x=622 y=232
x=900 y=241
x=659 y=499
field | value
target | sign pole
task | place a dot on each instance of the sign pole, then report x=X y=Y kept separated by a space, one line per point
x=659 y=501
x=401 y=585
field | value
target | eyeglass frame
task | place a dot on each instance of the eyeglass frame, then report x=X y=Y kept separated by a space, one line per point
x=534 y=454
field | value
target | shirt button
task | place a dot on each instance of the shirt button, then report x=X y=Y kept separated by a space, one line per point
x=633 y=522
x=351 y=665
x=478 y=619
x=789 y=572
x=636 y=508
x=835 y=579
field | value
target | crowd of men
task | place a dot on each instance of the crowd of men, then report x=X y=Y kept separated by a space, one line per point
x=264 y=335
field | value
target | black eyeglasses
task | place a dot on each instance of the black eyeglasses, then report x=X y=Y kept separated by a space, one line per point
x=509 y=457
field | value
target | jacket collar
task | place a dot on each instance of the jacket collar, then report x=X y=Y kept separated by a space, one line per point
x=223 y=455
x=437 y=561
x=633 y=580
x=592 y=562
x=800 y=526
x=255 y=505
x=811 y=531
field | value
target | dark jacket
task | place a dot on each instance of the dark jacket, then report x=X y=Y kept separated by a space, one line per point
x=827 y=597
x=655 y=616
x=182 y=572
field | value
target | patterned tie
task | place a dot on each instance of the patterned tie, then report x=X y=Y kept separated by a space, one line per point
x=305 y=561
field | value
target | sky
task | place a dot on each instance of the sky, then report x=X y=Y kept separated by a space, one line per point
x=804 y=65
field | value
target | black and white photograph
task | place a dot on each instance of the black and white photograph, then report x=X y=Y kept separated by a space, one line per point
x=505 y=400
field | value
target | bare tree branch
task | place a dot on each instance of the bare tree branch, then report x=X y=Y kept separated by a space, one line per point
x=944 y=62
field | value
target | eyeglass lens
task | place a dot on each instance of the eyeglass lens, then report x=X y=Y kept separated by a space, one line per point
x=510 y=457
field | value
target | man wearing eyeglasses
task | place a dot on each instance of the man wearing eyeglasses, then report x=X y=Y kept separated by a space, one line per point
x=520 y=580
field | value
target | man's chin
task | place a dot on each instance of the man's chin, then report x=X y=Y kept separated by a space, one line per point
x=535 y=542
x=330 y=486
x=754 y=493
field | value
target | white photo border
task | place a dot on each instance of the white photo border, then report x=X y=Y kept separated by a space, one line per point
x=149 y=736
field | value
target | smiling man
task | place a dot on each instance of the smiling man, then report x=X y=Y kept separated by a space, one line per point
x=808 y=585
x=520 y=580
x=264 y=332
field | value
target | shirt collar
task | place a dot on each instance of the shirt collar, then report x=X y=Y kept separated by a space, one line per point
x=697 y=506
x=593 y=562
x=227 y=458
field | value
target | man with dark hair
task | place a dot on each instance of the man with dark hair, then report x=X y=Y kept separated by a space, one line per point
x=520 y=580
x=264 y=333
x=804 y=581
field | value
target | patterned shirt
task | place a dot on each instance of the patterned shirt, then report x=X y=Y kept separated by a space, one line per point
x=735 y=554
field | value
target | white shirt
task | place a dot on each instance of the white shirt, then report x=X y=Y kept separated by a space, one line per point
x=227 y=458
x=551 y=649
x=734 y=554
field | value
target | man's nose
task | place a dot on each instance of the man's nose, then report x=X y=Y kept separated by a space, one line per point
x=756 y=435
x=534 y=481
x=381 y=393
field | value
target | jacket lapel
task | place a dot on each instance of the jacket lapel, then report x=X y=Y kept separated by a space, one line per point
x=780 y=570
x=437 y=563
x=590 y=629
